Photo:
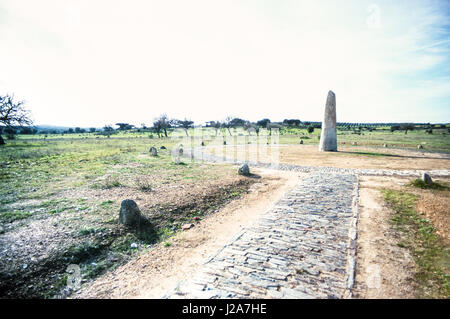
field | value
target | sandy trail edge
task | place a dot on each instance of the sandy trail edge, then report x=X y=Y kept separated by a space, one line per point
x=153 y=274
x=383 y=269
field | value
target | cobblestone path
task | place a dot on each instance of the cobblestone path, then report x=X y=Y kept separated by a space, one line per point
x=303 y=247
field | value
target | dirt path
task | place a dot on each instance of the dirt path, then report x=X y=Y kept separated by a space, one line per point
x=153 y=273
x=365 y=157
x=301 y=248
x=384 y=270
x=347 y=157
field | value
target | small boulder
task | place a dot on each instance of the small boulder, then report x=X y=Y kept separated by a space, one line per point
x=153 y=151
x=244 y=170
x=163 y=147
x=177 y=152
x=427 y=179
x=131 y=216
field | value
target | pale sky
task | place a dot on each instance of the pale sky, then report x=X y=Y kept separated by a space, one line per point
x=91 y=63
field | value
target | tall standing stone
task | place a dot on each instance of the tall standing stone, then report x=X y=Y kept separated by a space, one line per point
x=328 y=137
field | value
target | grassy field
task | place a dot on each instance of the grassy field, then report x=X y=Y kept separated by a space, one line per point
x=438 y=141
x=60 y=199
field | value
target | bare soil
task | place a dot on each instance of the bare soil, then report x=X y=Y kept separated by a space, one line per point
x=367 y=157
x=383 y=269
x=154 y=273
x=435 y=205
x=35 y=253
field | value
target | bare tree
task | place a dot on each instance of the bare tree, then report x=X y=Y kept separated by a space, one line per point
x=12 y=113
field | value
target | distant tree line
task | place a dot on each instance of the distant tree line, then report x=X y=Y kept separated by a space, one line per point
x=15 y=119
x=163 y=124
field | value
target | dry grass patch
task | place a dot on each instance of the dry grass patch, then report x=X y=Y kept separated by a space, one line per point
x=419 y=236
x=436 y=208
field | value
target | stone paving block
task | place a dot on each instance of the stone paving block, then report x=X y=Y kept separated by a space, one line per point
x=299 y=249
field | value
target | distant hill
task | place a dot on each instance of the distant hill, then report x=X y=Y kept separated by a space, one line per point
x=45 y=127
x=51 y=127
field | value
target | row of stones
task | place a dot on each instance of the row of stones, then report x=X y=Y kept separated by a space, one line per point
x=301 y=248
x=198 y=154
